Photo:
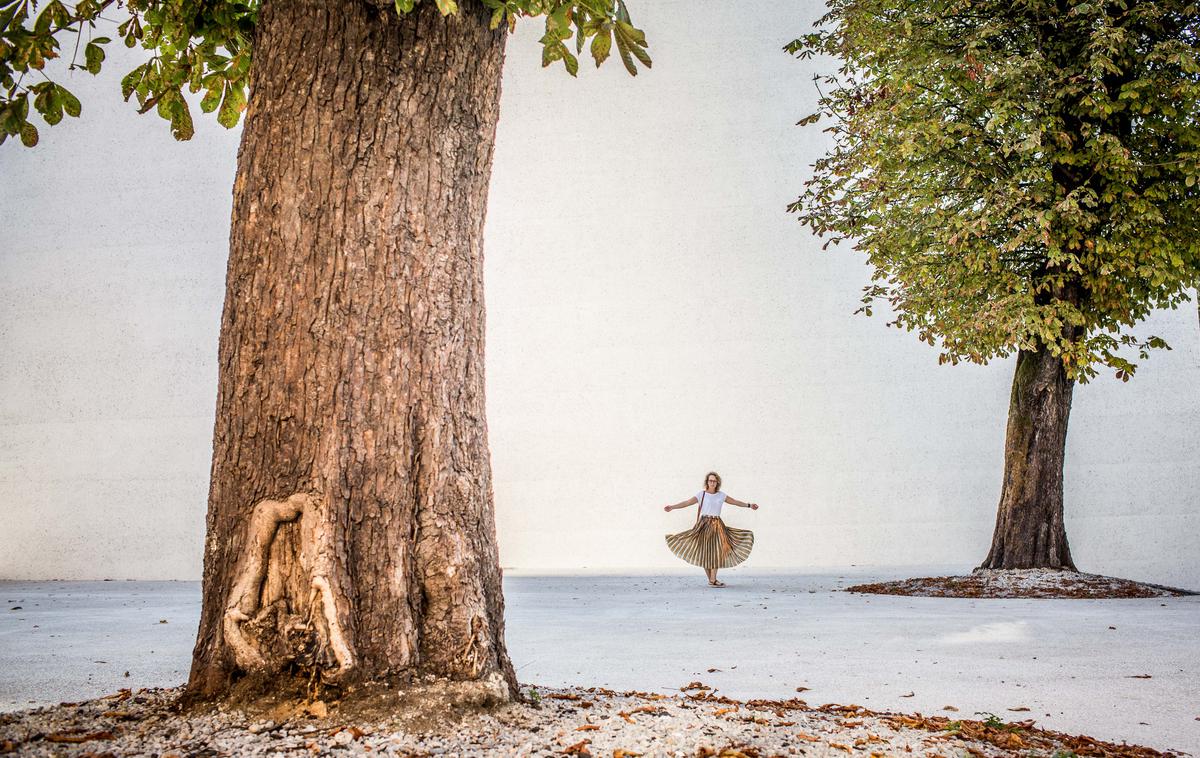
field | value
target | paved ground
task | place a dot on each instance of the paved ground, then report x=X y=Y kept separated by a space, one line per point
x=1077 y=665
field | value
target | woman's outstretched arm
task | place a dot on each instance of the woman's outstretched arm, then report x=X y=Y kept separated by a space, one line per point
x=735 y=501
x=690 y=501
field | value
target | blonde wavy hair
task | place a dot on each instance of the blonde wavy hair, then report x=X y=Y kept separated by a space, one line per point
x=712 y=473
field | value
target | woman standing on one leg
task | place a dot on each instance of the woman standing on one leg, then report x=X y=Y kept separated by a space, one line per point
x=710 y=544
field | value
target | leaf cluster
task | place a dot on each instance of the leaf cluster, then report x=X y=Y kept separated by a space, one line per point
x=27 y=42
x=601 y=21
x=1019 y=174
x=206 y=46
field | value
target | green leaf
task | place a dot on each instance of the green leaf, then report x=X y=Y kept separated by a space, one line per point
x=181 y=121
x=130 y=81
x=211 y=99
x=497 y=17
x=447 y=7
x=53 y=112
x=41 y=26
x=405 y=6
x=641 y=55
x=70 y=103
x=636 y=36
x=559 y=21
x=231 y=107
x=29 y=134
x=93 y=54
x=571 y=62
x=626 y=58
x=601 y=46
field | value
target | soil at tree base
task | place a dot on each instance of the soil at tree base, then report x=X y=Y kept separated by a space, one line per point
x=576 y=721
x=1022 y=583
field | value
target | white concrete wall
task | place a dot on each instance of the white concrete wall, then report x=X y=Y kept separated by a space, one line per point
x=652 y=313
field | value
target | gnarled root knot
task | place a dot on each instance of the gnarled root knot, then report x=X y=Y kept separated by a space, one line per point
x=255 y=578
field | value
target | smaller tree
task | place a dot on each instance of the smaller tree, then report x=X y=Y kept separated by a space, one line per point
x=1022 y=177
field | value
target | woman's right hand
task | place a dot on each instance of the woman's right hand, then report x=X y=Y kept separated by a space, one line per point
x=667 y=508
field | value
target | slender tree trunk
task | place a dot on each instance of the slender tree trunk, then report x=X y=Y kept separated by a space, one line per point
x=1029 y=524
x=350 y=526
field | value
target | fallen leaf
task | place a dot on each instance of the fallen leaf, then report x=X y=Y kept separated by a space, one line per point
x=840 y=746
x=802 y=689
x=723 y=711
x=1018 y=709
x=694 y=686
x=579 y=748
x=619 y=753
x=713 y=671
x=949 y=708
x=318 y=709
x=587 y=728
x=625 y=716
x=809 y=737
x=75 y=739
x=911 y=694
x=563 y=696
x=162 y=621
x=1139 y=676
x=121 y=715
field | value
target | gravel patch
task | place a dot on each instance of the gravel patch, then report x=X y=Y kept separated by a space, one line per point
x=551 y=722
x=1021 y=583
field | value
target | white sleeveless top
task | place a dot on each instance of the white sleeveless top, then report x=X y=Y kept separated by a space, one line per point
x=710 y=503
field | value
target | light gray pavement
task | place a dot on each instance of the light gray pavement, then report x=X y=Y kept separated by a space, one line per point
x=766 y=634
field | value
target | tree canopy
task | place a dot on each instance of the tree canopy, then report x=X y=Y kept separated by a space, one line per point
x=1018 y=174
x=207 y=46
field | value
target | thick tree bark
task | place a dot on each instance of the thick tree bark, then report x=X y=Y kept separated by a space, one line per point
x=1029 y=524
x=350 y=526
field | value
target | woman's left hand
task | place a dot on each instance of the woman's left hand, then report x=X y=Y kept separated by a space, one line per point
x=754 y=506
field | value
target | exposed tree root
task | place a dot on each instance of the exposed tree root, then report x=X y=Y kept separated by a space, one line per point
x=268 y=622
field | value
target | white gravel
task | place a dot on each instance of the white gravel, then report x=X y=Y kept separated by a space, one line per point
x=551 y=722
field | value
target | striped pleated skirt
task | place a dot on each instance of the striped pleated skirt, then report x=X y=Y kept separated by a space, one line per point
x=712 y=545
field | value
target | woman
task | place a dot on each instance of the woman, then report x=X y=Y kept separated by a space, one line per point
x=710 y=544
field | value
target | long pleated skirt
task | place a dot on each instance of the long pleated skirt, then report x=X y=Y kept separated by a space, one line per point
x=710 y=544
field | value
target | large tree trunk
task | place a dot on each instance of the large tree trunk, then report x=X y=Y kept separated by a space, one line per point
x=350 y=526
x=1029 y=525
